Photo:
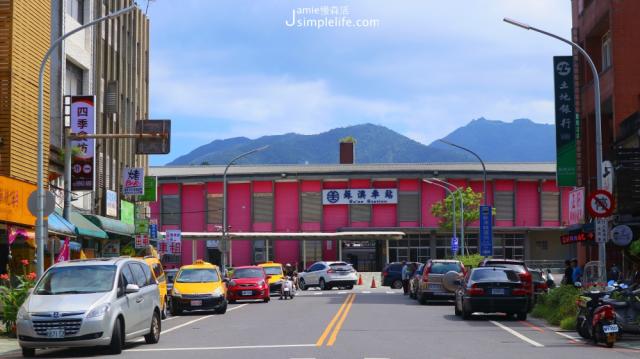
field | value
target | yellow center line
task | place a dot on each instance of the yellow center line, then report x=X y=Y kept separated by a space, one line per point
x=333 y=321
x=336 y=330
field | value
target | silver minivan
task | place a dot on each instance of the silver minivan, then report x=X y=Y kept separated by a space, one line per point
x=92 y=302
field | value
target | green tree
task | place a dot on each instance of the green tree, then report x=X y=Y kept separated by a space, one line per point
x=443 y=210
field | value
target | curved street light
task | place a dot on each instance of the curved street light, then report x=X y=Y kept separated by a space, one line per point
x=461 y=209
x=453 y=220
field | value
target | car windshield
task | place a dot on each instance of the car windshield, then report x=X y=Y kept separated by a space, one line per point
x=444 y=267
x=77 y=280
x=273 y=270
x=248 y=273
x=537 y=276
x=497 y=275
x=515 y=267
x=197 y=276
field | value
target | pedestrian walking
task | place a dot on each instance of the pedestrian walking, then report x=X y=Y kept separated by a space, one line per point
x=614 y=273
x=577 y=271
x=568 y=273
x=405 y=277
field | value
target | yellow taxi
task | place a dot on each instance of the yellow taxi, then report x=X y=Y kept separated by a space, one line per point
x=199 y=286
x=158 y=274
x=276 y=273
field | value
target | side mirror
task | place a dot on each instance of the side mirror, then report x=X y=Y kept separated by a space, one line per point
x=268 y=276
x=132 y=288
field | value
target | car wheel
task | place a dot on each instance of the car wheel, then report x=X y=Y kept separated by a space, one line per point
x=222 y=309
x=349 y=287
x=154 y=332
x=267 y=299
x=175 y=310
x=423 y=299
x=456 y=311
x=322 y=284
x=164 y=310
x=465 y=314
x=521 y=316
x=232 y=301
x=397 y=284
x=117 y=339
x=28 y=352
x=302 y=284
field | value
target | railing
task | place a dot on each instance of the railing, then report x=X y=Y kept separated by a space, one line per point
x=545 y=264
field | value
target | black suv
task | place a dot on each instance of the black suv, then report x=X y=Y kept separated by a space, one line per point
x=392 y=274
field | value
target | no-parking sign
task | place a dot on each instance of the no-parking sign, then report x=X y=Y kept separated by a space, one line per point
x=601 y=204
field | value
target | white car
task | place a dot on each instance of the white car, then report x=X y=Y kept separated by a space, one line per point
x=327 y=275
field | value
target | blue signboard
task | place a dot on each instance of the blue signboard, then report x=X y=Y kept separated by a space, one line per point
x=153 y=231
x=454 y=245
x=486 y=234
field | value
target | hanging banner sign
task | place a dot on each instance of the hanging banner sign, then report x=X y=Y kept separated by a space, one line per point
x=111 y=249
x=360 y=196
x=112 y=203
x=576 y=206
x=133 y=181
x=486 y=233
x=153 y=231
x=163 y=247
x=566 y=120
x=150 y=189
x=83 y=121
x=142 y=241
x=173 y=235
x=64 y=252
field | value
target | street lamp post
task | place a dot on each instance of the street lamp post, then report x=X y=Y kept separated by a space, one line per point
x=453 y=202
x=484 y=169
x=602 y=249
x=40 y=181
x=461 y=210
x=224 y=202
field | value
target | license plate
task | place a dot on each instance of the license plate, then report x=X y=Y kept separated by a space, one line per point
x=55 y=333
x=246 y=292
x=196 y=303
x=497 y=291
x=435 y=286
x=612 y=328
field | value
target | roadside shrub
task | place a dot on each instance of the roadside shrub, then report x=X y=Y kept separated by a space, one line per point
x=471 y=260
x=558 y=306
x=568 y=323
x=13 y=292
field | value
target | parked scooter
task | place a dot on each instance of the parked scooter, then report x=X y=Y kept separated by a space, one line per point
x=596 y=320
x=287 y=288
x=627 y=309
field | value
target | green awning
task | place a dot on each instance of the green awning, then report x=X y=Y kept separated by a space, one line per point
x=84 y=227
x=112 y=226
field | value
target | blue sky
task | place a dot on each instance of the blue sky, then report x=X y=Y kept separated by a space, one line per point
x=225 y=68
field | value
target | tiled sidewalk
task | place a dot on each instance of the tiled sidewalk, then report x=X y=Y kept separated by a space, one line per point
x=8 y=345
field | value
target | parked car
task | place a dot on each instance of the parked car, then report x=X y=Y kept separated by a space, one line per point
x=540 y=285
x=414 y=282
x=437 y=280
x=491 y=290
x=249 y=282
x=199 y=286
x=392 y=274
x=327 y=275
x=91 y=302
x=275 y=273
x=520 y=268
x=158 y=274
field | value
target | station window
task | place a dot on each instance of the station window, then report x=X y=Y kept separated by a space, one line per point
x=75 y=9
x=262 y=251
x=312 y=251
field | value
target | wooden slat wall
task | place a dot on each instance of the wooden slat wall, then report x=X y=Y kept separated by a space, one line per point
x=28 y=22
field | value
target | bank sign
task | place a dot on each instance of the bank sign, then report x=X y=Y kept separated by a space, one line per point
x=360 y=196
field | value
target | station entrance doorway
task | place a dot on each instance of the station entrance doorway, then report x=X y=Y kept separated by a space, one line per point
x=365 y=256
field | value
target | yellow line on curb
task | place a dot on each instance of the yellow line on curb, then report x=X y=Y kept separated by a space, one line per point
x=338 y=326
x=333 y=321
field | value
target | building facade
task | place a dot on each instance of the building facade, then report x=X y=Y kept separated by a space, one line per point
x=285 y=212
x=607 y=30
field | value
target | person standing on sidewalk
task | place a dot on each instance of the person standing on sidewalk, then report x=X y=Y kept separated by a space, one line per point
x=568 y=273
x=405 y=277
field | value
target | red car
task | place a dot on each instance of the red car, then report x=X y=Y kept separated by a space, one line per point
x=250 y=282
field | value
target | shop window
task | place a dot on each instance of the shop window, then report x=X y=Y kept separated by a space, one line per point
x=170 y=209
x=262 y=251
x=263 y=207
x=311 y=203
x=443 y=248
x=360 y=212
x=312 y=251
x=75 y=9
x=215 y=204
x=74 y=79
x=408 y=207
x=550 y=206
x=504 y=205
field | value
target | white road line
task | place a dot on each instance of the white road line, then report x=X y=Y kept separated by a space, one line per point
x=199 y=319
x=568 y=336
x=318 y=293
x=342 y=292
x=390 y=292
x=516 y=334
x=168 y=319
x=222 y=348
x=366 y=292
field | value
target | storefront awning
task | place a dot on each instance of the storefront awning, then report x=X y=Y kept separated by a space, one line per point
x=60 y=226
x=112 y=226
x=85 y=228
x=352 y=236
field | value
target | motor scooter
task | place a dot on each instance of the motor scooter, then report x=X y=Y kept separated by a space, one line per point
x=287 y=288
x=596 y=320
x=627 y=308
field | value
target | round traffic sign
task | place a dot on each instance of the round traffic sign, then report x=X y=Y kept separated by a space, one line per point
x=621 y=235
x=49 y=203
x=601 y=204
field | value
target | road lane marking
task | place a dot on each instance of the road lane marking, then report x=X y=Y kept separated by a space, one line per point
x=338 y=326
x=221 y=348
x=168 y=319
x=573 y=339
x=366 y=292
x=342 y=292
x=516 y=334
x=199 y=319
x=325 y=333
x=532 y=326
x=318 y=293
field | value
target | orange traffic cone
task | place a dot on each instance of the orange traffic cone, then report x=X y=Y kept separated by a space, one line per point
x=360 y=280
x=373 y=283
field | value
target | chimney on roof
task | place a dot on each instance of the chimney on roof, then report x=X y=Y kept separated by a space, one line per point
x=347 y=150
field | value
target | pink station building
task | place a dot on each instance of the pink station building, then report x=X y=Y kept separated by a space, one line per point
x=300 y=214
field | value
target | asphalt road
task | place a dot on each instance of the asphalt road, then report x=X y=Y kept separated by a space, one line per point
x=362 y=323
